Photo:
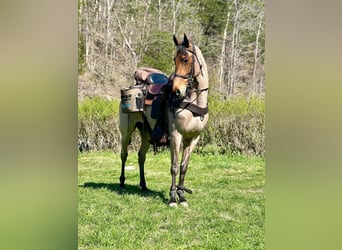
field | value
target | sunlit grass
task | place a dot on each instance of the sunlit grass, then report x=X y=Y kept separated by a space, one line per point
x=226 y=209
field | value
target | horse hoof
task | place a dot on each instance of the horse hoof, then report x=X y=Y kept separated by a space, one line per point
x=184 y=204
x=173 y=204
x=122 y=185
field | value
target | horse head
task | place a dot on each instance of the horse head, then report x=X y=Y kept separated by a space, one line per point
x=187 y=67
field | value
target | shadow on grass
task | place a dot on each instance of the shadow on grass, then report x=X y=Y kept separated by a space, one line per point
x=128 y=189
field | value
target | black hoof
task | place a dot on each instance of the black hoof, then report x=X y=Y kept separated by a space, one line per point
x=182 y=199
x=181 y=196
x=122 y=185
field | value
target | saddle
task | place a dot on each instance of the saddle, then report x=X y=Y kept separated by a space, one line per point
x=153 y=79
x=153 y=82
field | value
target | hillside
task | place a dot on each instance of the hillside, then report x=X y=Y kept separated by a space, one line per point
x=117 y=37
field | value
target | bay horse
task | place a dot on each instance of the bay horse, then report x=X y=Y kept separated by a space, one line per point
x=186 y=115
x=188 y=112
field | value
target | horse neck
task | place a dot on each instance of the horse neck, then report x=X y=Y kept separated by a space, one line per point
x=202 y=80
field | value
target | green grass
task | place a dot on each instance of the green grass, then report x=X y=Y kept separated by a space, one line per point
x=226 y=209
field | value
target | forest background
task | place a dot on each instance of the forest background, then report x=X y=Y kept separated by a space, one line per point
x=116 y=37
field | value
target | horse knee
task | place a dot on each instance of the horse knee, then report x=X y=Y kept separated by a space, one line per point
x=174 y=170
x=183 y=168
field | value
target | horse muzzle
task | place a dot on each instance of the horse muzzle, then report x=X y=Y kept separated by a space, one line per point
x=181 y=93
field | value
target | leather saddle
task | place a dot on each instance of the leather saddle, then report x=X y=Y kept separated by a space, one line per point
x=154 y=80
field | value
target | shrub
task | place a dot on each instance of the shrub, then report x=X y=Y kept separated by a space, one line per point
x=236 y=126
x=98 y=123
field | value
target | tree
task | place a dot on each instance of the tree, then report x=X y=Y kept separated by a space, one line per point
x=117 y=36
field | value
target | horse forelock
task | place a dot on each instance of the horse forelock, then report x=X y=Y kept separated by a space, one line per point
x=181 y=53
x=181 y=50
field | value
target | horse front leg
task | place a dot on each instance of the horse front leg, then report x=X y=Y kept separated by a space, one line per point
x=188 y=146
x=174 y=147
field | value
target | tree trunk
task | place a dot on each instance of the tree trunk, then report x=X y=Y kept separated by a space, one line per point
x=231 y=72
x=223 y=50
x=255 y=80
x=127 y=43
x=174 y=16
x=159 y=14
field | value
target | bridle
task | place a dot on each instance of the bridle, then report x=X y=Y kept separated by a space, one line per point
x=191 y=76
x=190 y=105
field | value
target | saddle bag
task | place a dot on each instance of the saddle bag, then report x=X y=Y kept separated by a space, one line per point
x=132 y=99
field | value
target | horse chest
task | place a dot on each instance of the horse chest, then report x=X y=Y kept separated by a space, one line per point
x=188 y=125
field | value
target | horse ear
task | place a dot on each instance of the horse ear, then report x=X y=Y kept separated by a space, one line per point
x=175 y=40
x=186 y=41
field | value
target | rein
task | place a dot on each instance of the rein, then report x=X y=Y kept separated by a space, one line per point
x=189 y=105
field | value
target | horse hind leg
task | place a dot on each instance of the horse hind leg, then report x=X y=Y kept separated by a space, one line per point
x=145 y=145
x=126 y=133
x=124 y=154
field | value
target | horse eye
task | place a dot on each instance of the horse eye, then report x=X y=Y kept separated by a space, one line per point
x=185 y=60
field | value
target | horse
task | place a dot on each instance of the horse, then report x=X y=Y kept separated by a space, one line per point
x=186 y=115
x=188 y=112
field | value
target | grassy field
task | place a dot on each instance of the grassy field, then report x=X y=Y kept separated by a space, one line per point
x=226 y=209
